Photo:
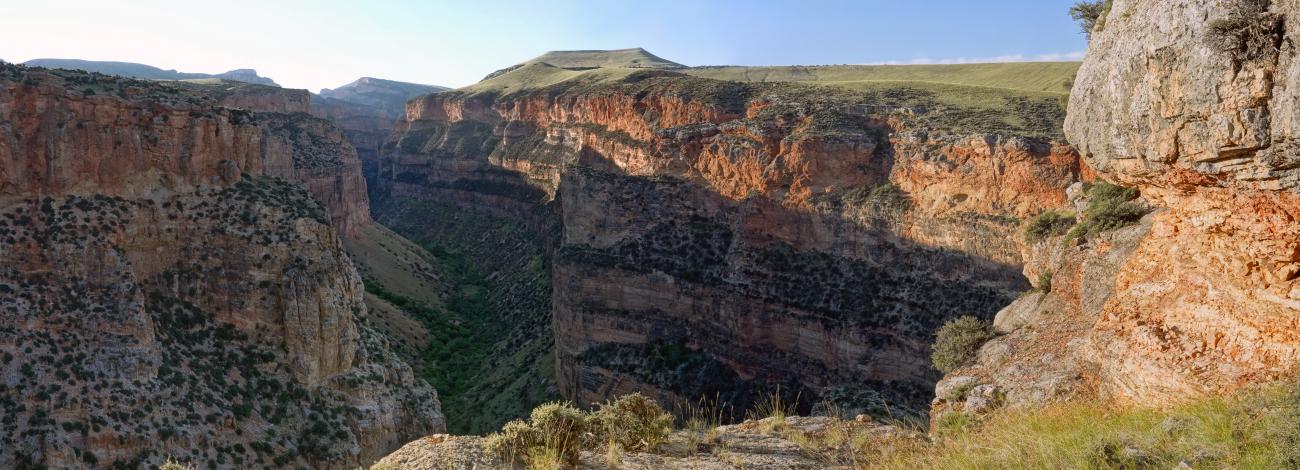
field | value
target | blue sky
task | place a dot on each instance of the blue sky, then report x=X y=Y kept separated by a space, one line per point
x=325 y=43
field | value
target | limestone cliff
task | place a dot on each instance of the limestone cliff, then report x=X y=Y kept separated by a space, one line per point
x=719 y=238
x=165 y=294
x=1194 y=103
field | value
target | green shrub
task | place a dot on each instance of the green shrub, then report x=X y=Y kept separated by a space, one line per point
x=633 y=421
x=1248 y=33
x=1090 y=14
x=553 y=430
x=1048 y=224
x=957 y=341
x=1111 y=207
x=174 y=465
x=1044 y=282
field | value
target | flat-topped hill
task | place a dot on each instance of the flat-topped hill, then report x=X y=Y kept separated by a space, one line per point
x=630 y=58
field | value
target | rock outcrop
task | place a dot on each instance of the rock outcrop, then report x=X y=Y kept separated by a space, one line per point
x=165 y=294
x=720 y=238
x=1194 y=103
x=768 y=444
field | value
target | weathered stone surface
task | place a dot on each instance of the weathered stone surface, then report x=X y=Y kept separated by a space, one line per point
x=366 y=111
x=1208 y=301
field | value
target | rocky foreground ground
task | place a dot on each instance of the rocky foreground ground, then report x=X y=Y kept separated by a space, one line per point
x=771 y=443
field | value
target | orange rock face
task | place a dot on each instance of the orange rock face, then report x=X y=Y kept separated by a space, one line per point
x=58 y=141
x=1208 y=302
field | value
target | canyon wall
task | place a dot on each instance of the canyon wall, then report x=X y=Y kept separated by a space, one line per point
x=718 y=239
x=1194 y=103
x=168 y=293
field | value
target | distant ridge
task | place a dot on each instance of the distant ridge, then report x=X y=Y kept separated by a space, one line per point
x=634 y=58
x=147 y=72
x=389 y=96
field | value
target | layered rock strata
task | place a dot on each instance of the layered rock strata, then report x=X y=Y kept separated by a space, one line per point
x=165 y=295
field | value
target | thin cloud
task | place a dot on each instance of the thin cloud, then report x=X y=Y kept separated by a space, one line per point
x=1052 y=57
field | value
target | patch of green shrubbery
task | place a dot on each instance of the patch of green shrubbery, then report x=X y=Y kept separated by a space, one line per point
x=1048 y=224
x=557 y=432
x=957 y=341
x=1091 y=15
x=1249 y=32
x=1110 y=208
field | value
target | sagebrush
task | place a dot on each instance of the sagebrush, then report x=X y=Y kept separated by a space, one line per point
x=958 y=340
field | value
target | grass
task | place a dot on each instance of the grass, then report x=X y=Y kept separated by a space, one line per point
x=1257 y=429
x=1051 y=77
x=617 y=58
x=538 y=75
x=1214 y=433
x=996 y=103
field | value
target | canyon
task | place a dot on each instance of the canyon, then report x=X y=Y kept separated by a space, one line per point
x=239 y=274
x=722 y=239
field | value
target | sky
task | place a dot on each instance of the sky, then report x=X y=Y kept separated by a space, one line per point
x=327 y=43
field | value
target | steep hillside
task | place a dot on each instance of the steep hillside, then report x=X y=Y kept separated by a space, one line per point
x=720 y=238
x=172 y=290
x=146 y=72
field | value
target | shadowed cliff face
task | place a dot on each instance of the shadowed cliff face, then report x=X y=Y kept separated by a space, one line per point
x=1203 y=123
x=720 y=238
x=168 y=293
x=366 y=111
